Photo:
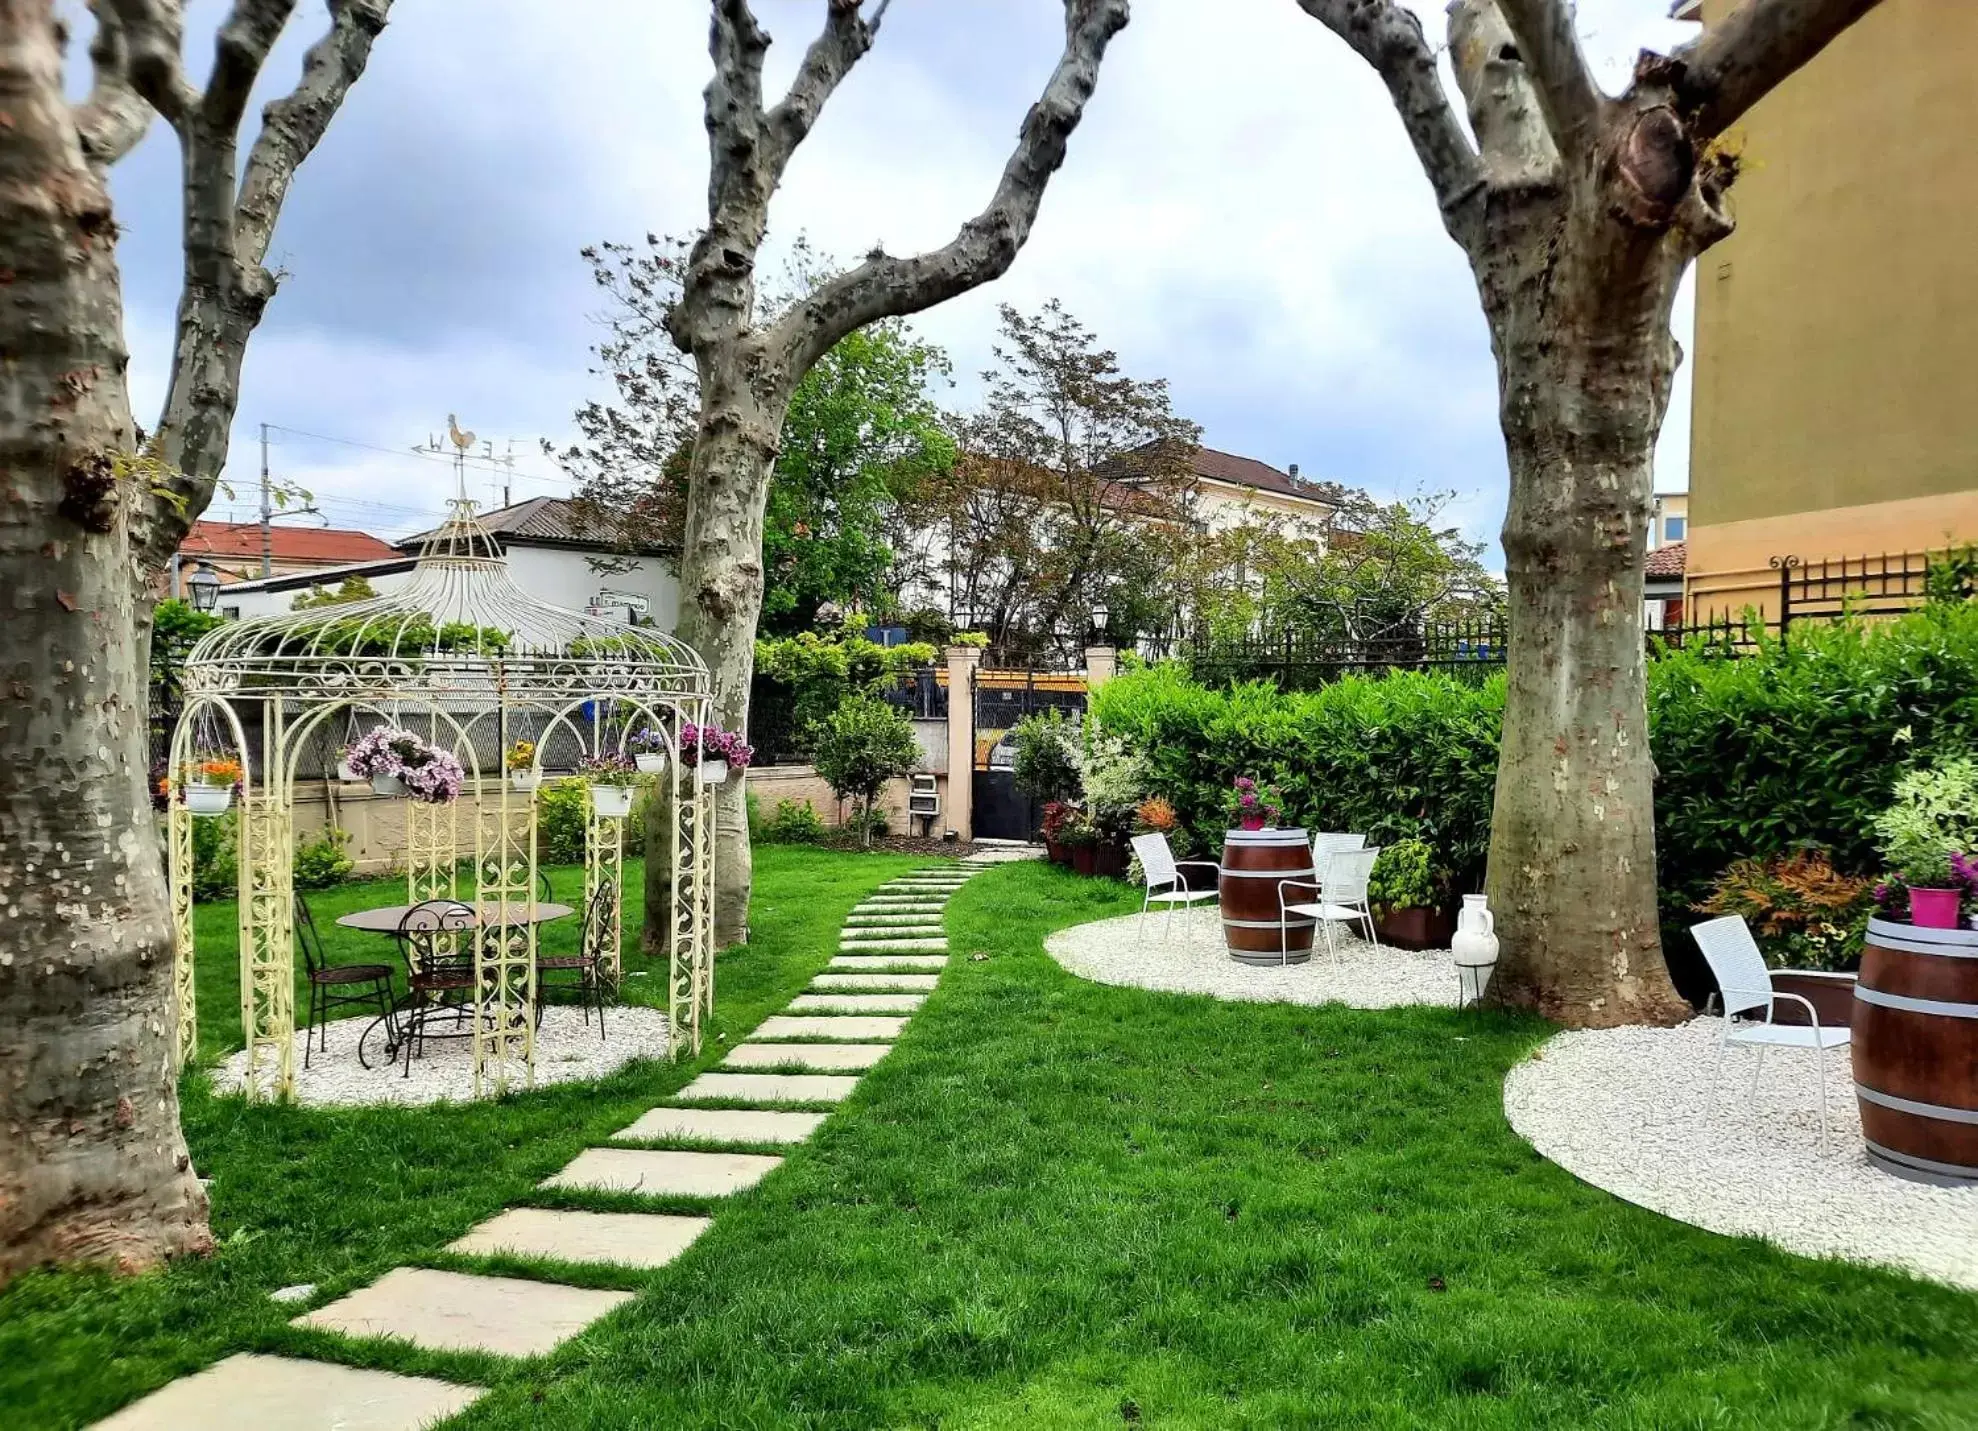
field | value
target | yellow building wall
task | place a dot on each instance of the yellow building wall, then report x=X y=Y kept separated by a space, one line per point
x=1836 y=398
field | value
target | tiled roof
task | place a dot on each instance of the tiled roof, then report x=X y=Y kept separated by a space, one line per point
x=329 y=545
x=1666 y=561
x=1249 y=472
x=542 y=519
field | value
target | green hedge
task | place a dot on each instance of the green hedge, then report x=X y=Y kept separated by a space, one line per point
x=1798 y=744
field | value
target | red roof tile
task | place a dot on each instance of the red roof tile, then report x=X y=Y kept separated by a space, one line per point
x=329 y=545
x=1666 y=561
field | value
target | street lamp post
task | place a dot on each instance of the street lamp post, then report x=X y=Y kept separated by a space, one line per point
x=204 y=587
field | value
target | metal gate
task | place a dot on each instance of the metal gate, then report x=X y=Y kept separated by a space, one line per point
x=1001 y=699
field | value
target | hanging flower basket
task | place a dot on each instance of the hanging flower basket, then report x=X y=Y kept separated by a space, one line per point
x=713 y=772
x=613 y=802
x=713 y=752
x=613 y=780
x=649 y=750
x=344 y=771
x=210 y=784
x=209 y=799
x=523 y=772
x=400 y=762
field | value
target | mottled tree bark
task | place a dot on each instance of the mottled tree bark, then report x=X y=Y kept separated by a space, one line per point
x=93 y=1166
x=1579 y=213
x=748 y=368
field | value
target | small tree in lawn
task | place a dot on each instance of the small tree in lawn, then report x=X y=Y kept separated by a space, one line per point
x=865 y=743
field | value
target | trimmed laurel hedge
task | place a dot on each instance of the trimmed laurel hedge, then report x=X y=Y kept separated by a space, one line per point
x=1797 y=744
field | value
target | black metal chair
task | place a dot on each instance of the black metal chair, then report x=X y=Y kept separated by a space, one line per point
x=544 y=895
x=335 y=986
x=588 y=963
x=440 y=972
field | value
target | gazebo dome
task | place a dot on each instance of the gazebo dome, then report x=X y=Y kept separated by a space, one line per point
x=460 y=627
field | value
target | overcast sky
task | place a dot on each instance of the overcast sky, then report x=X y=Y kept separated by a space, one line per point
x=1240 y=213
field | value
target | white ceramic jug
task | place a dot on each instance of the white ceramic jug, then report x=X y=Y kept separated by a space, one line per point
x=1474 y=947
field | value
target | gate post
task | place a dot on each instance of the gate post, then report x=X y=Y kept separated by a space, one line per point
x=1101 y=665
x=962 y=661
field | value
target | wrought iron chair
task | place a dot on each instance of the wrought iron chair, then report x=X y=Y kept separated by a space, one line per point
x=588 y=963
x=1342 y=895
x=335 y=986
x=544 y=895
x=440 y=972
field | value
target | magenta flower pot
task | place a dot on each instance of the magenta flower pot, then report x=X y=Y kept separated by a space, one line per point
x=1252 y=822
x=1934 y=908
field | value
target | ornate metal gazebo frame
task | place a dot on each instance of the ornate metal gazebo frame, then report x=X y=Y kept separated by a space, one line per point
x=462 y=651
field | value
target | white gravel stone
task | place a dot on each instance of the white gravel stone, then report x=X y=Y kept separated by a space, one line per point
x=1194 y=960
x=567 y=1051
x=1636 y=1111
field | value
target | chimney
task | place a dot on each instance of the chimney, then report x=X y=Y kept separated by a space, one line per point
x=1294 y=471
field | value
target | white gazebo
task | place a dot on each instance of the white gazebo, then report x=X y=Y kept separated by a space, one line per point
x=474 y=664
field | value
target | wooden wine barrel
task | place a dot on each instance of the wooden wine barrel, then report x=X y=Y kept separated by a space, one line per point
x=1253 y=863
x=1915 y=1051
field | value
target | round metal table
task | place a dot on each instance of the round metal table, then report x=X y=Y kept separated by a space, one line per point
x=386 y=918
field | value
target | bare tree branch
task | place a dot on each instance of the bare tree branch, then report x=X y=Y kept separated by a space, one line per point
x=1740 y=60
x=240 y=48
x=1550 y=48
x=885 y=287
x=1390 y=39
x=1518 y=148
x=846 y=38
x=293 y=125
x=114 y=116
x=153 y=34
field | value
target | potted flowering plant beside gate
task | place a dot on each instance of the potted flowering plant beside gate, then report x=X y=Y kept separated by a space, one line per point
x=401 y=762
x=1056 y=814
x=210 y=783
x=612 y=780
x=1251 y=806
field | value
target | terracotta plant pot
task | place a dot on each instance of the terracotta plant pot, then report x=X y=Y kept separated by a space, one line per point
x=1416 y=928
x=1110 y=861
x=1934 y=908
x=1059 y=854
x=1084 y=858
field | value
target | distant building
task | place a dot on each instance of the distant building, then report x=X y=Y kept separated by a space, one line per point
x=551 y=554
x=235 y=551
x=1837 y=329
x=1232 y=490
x=1671 y=519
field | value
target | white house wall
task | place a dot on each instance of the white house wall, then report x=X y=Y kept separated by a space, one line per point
x=564 y=578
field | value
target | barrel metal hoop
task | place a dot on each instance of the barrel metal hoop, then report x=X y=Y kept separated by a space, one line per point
x=1896 y=944
x=1953 y=1174
x=1903 y=1003
x=1909 y=1105
x=1306 y=872
x=1955 y=942
x=1268 y=923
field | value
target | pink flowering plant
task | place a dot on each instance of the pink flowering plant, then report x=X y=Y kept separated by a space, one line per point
x=711 y=742
x=430 y=774
x=608 y=770
x=1249 y=801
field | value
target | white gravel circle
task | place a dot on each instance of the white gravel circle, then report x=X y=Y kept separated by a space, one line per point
x=1636 y=1112
x=566 y=1052
x=1192 y=959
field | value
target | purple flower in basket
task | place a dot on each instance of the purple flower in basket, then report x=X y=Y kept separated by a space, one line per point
x=711 y=742
x=429 y=773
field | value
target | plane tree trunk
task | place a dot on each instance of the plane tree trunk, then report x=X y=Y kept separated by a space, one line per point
x=1579 y=213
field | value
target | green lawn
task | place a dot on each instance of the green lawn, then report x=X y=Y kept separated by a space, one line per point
x=1055 y=1205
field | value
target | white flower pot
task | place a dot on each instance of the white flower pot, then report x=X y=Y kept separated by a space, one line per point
x=652 y=763
x=713 y=772
x=613 y=802
x=525 y=780
x=387 y=785
x=1474 y=947
x=209 y=799
x=344 y=772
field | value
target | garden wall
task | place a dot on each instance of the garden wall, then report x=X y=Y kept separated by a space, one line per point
x=1796 y=744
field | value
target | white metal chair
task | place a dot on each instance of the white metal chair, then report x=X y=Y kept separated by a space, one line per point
x=1162 y=873
x=1745 y=983
x=1328 y=843
x=1342 y=895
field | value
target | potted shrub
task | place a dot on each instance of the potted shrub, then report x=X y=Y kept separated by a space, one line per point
x=521 y=763
x=1250 y=806
x=1113 y=779
x=1081 y=838
x=1056 y=814
x=1409 y=895
x=401 y=762
x=648 y=746
x=1809 y=920
x=211 y=780
x=612 y=780
x=1932 y=816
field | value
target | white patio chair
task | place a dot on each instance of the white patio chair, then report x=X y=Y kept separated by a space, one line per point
x=1342 y=895
x=1162 y=873
x=1745 y=983
x=1327 y=843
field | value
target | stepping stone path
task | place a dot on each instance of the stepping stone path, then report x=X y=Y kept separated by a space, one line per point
x=890 y=954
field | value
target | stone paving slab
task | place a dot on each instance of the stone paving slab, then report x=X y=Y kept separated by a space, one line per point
x=907 y=944
x=824 y=1057
x=661 y=1174
x=901 y=906
x=857 y=932
x=858 y=1003
x=769 y=1087
x=828 y=1026
x=824 y=983
x=849 y=962
x=628 y=1239
x=246 y=1392
x=724 y=1125
x=937 y=886
x=459 y=1311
